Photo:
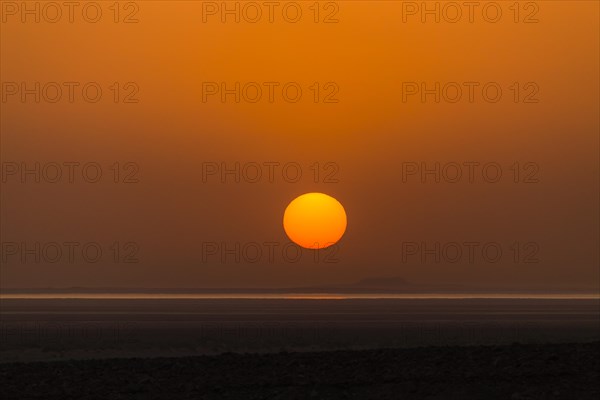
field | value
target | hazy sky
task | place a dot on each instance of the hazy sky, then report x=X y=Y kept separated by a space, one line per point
x=199 y=134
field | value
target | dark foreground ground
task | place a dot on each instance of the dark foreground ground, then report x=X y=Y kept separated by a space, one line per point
x=532 y=371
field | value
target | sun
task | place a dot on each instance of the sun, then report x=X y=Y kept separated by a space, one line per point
x=314 y=220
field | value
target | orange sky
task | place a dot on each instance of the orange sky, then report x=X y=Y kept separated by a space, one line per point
x=365 y=62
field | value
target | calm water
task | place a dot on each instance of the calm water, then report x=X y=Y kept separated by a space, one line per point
x=59 y=326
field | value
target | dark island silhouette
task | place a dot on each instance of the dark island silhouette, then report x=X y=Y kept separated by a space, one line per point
x=369 y=285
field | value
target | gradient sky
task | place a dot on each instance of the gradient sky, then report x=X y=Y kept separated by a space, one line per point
x=371 y=134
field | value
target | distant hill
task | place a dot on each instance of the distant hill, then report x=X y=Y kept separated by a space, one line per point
x=371 y=285
x=382 y=283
